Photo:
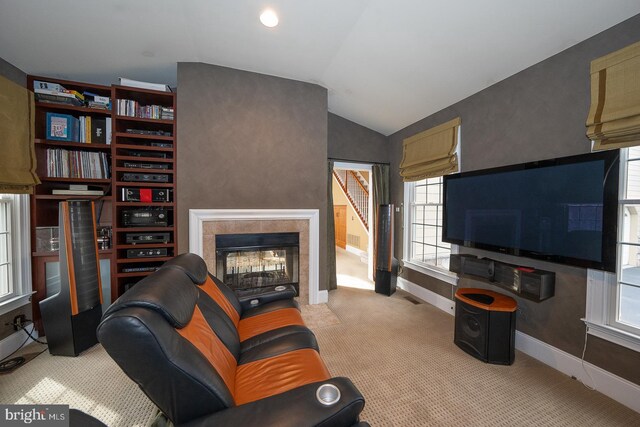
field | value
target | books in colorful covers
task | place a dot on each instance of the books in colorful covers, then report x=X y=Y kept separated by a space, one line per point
x=61 y=127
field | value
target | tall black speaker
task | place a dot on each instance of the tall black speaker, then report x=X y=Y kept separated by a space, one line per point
x=72 y=310
x=386 y=264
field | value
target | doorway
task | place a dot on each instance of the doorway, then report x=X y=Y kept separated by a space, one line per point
x=352 y=218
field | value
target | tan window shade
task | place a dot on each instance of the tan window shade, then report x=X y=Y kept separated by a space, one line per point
x=17 y=153
x=431 y=153
x=614 y=117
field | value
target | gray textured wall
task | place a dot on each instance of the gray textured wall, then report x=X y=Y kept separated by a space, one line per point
x=536 y=114
x=351 y=141
x=248 y=140
x=12 y=73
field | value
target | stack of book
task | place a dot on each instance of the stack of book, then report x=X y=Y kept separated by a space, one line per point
x=63 y=163
x=85 y=129
x=166 y=113
x=56 y=93
x=96 y=101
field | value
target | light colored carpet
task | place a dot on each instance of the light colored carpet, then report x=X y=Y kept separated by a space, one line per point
x=402 y=358
x=91 y=382
x=318 y=316
x=399 y=354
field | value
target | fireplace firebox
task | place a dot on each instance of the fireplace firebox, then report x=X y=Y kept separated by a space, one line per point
x=246 y=261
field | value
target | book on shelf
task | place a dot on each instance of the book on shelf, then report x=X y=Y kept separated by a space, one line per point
x=61 y=127
x=58 y=99
x=144 y=85
x=62 y=163
x=108 y=130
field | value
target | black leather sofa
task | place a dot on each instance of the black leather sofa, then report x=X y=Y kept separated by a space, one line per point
x=206 y=357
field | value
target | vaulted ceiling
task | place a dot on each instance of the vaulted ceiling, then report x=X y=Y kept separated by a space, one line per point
x=386 y=64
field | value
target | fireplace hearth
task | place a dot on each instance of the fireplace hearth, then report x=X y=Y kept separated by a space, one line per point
x=246 y=261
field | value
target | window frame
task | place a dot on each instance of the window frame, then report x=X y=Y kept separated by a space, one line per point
x=603 y=288
x=429 y=269
x=20 y=254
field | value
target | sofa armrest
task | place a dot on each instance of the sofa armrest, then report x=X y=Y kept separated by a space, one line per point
x=251 y=298
x=295 y=408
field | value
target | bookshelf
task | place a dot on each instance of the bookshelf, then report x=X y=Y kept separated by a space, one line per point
x=144 y=145
x=85 y=164
x=140 y=146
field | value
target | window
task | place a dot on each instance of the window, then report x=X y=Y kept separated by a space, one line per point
x=424 y=248
x=613 y=301
x=15 y=271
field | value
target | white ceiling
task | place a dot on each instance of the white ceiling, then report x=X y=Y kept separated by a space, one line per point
x=386 y=64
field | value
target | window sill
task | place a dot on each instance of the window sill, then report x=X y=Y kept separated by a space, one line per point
x=614 y=335
x=437 y=273
x=15 y=302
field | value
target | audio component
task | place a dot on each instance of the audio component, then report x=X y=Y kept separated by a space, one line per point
x=147 y=253
x=485 y=325
x=386 y=265
x=137 y=153
x=146 y=195
x=145 y=177
x=139 y=269
x=141 y=165
x=149 y=132
x=161 y=144
x=530 y=283
x=150 y=217
x=135 y=238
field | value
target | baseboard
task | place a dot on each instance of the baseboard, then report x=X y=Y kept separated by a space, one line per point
x=444 y=304
x=357 y=251
x=323 y=297
x=13 y=341
x=605 y=382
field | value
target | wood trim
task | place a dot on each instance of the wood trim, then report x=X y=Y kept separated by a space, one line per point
x=500 y=303
x=73 y=293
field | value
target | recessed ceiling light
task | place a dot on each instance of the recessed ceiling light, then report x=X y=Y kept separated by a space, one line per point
x=269 y=18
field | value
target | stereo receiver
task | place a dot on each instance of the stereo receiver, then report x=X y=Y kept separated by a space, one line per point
x=146 y=195
x=150 y=217
x=147 y=253
x=145 y=177
x=134 y=238
x=142 y=165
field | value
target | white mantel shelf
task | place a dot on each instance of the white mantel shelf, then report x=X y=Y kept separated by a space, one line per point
x=197 y=218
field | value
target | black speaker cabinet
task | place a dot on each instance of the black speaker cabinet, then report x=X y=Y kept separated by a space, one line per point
x=71 y=312
x=386 y=265
x=485 y=325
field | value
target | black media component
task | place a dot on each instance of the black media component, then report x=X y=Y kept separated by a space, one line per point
x=533 y=284
x=149 y=217
x=142 y=165
x=161 y=144
x=140 y=153
x=146 y=195
x=147 y=253
x=145 y=177
x=562 y=210
x=143 y=269
x=135 y=238
x=148 y=132
x=485 y=325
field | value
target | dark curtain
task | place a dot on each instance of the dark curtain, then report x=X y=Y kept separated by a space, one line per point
x=380 y=194
x=332 y=282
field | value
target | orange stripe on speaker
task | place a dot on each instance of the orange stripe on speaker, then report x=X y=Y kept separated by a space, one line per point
x=255 y=325
x=199 y=333
x=73 y=294
x=275 y=375
x=214 y=292
x=500 y=302
x=95 y=240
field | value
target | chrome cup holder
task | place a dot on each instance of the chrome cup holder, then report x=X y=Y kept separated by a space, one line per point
x=280 y=288
x=328 y=394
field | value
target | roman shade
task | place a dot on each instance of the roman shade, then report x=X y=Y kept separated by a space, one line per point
x=18 y=159
x=614 y=116
x=431 y=153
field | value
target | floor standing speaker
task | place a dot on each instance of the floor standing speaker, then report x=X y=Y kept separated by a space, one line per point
x=386 y=265
x=71 y=312
x=485 y=325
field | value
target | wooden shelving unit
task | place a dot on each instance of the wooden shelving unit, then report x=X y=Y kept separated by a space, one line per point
x=144 y=145
x=126 y=147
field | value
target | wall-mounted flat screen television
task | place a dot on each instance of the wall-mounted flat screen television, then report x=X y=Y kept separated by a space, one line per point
x=562 y=210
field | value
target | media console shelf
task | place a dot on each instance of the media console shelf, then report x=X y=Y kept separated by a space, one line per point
x=530 y=283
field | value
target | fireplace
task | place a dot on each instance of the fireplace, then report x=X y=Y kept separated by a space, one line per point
x=246 y=261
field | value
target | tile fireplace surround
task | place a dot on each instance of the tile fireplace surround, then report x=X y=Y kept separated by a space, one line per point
x=204 y=224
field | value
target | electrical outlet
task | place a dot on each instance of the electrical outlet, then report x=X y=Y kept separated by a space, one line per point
x=19 y=321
